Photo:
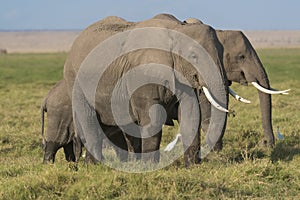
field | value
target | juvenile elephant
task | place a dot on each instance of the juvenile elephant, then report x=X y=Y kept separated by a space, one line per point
x=60 y=127
x=213 y=79
x=61 y=130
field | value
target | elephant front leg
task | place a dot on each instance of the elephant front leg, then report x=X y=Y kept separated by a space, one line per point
x=189 y=115
x=151 y=132
x=192 y=149
x=205 y=108
x=150 y=148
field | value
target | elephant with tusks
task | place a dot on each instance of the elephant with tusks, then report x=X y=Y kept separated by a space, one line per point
x=242 y=65
x=129 y=76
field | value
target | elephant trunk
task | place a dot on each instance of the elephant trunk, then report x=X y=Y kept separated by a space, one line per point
x=259 y=76
x=266 y=113
x=217 y=125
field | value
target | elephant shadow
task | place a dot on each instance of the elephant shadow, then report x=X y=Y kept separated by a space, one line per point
x=286 y=149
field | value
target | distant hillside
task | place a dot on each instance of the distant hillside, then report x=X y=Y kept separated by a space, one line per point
x=37 y=41
x=61 y=41
x=274 y=39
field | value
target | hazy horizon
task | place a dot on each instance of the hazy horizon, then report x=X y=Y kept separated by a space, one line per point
x=34 y=15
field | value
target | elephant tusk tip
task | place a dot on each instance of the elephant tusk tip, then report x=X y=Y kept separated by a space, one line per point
x=213 y=101
x=246 y=101
x=286 y=91
x=237 y=97
x=269 y=91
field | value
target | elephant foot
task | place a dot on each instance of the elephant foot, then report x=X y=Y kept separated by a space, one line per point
x=268 y=143
x=191 y=156
x=218 y=146
x=47 y=161
x=51 y=149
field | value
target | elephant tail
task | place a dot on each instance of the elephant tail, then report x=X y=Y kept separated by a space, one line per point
x=43 y=110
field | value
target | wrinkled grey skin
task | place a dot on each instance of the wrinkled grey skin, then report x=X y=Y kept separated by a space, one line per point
x=61 y=132
x=60 y=127
x=243 y=66
x=144 y=98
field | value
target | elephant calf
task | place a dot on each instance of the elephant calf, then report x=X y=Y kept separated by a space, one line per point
x=61 y=130
x=60 y=127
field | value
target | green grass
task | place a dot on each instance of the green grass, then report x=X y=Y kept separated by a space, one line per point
x=242 y=170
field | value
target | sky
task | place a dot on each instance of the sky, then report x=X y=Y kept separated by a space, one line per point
x=220 y=14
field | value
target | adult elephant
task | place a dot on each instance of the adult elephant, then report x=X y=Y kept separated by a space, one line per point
x=168 y=43
x=242 y=65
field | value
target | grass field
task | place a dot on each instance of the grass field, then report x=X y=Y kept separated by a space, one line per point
x=242 y=170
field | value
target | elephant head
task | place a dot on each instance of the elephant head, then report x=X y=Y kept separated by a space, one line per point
x=243 y=66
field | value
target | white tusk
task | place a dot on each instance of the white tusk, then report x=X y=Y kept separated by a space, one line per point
x=172 y=144
x=212 y=101
x=237 y=97
x=281 y=93
x=259 y=87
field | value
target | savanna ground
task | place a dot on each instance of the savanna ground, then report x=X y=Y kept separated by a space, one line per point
x=242 y=170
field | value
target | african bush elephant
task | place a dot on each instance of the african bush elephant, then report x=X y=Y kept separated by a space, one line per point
x=152 y=94
x=61 y=131
x=60 y=127
x=242 y=65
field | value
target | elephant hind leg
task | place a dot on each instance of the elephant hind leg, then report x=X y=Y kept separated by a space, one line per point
x=77 y=148
x=69 y=152
x=51 y=149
